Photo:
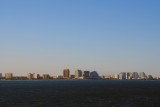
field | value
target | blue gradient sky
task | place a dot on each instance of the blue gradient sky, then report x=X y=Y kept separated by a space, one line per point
x=110 y=36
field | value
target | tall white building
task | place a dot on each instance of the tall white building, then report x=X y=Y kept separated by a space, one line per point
x=36 y=76
x=78 y=73
x=33 y=76
x=116 y=76
x=30 y=76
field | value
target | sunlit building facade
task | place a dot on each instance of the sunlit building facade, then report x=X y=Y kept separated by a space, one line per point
x=66 y=73
x=78 y=74
x=8 y=75
x=45 y=76
x=116 y=76
x=30 y=76
x=36 y=76
x=122 y=76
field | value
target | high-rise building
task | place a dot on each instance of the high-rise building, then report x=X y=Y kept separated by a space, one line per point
x=142 y=75
x=78 y=73
x=86 y=74
x=128 y=75
x=66 y=73
x=30 y=76
x=0 y=75
x=122 y=76
x=8 y=75
x=135 y=75
x=36 y=76
x=45 y=76
x=116 y=76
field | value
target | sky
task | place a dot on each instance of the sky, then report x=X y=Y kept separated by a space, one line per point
x=109 y=36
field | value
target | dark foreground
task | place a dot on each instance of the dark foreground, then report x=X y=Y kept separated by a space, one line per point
x=82 y=93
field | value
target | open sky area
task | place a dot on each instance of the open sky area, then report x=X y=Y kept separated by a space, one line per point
x=109 y=36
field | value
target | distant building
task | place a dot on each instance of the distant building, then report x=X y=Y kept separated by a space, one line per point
x=0 y=75
x=45 y=76
x=150 y=77
x=86 y=74
x=107 y=77
x=78 y=74
x=122 y=76
x=135 y=75
x=128 y=75
x=116 y=76
x=72 y=76
x=33 y=76
x=94 y=74
x=66 y=73
x=36 y=76
x=8 y=75
x=59 y=77
x=142 y=75
x=30 y=76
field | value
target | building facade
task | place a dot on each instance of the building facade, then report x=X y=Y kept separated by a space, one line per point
x=128 y=75
x=142 y=75
x=78 y=74
x=122 y=76
x=94 y=74
x=116 y=76
x=45 y=76
x=36 y=76
x=86 y=74
x=135 y=75
x=8 y=75
x=0 y=75
x=66 y=73
x=30 y=76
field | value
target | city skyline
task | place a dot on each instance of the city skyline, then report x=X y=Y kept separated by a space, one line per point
x=46 y=36
x=78 y=73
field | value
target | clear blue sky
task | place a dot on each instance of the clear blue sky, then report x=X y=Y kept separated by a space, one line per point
x=110 y=36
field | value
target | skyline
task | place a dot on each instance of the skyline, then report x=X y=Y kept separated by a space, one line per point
x=80 y=74
x=67 y=72
x=107 y=36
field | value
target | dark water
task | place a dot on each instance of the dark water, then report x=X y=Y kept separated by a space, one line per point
x=80 y=93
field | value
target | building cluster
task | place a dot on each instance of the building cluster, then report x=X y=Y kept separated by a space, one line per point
x=129 y=76
x=79 y=74
x=7 y=75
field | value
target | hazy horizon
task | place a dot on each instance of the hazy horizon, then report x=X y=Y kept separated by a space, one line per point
x=109 y=36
